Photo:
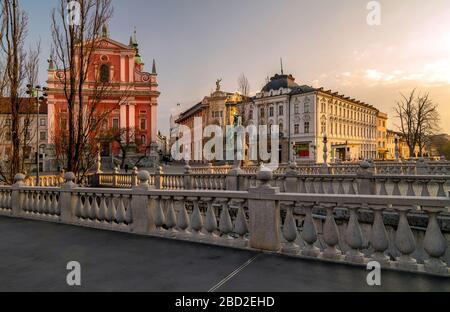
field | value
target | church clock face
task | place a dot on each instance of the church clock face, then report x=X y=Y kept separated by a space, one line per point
x=146 y=78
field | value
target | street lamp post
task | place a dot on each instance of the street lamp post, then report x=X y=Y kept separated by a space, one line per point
x=39 y=94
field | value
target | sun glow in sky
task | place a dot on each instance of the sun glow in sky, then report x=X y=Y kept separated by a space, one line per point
x=323 y=43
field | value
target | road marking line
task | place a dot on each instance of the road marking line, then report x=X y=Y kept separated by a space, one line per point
x=236 y=272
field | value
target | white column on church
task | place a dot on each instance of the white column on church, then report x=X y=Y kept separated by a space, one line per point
x=131 y=73
x=122 y=68
x=154 y=123
x=123 y=116
x=132 y=120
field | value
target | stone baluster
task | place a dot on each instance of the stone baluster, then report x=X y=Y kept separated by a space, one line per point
x=211 y=219
x=48 y=204
x=94 y=208
x=111 y=212
x=160 y=218
x=41 y=205
x=171 y=217
x=86 y=207
x=425 y=191
x=321 y=186
x=383 y=190
x=351 y=187
x=331 y=234
x=303 y=185
x=312 y=188
x=102 y=210
x=330 y=190
x=183 y=217
x=290 y=231
x=410 y=191
x=379 y=238
x=435 y=243
x=79 y=207
x=121 y=212
x=353 y=237
x=441 y=191
x=309 y=234
x=129 y=216
x=396 y=190
x=196 y=218
x=341 y=190
x=405 y=241
x=240 y=224
x=225 y=223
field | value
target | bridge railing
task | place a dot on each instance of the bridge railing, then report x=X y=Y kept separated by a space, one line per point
x=363 y=182
x=399 y=232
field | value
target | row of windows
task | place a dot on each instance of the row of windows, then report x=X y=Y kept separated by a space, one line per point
x=42 y=122
x=348 y=130
x=350 y=112
x=42 y=136
x=306 y=128
x=115 y=124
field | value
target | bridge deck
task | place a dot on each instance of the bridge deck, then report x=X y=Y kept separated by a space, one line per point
x=34 y=255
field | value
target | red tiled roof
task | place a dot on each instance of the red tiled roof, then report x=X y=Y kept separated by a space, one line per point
x=27 y=106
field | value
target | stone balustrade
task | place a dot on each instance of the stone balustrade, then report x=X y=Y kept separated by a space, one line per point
x=342 y=228
x=420 y=167
x=364 y=182
x=46 y=180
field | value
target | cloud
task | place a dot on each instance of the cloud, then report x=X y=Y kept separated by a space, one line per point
x=428 y=75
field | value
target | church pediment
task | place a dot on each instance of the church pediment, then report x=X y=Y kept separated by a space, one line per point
x=109 y=44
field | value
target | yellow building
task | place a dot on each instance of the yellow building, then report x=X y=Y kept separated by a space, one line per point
x=382 y=148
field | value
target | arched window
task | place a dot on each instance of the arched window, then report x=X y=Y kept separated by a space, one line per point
x=104 y=73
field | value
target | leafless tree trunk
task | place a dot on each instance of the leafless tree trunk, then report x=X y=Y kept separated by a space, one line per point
x=17 y=68
x=419 y=119
x=74 y=50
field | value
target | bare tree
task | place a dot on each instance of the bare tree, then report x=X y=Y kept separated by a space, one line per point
x=75 y=47
x=17 y=68
x=244 y=85
x=419 y=120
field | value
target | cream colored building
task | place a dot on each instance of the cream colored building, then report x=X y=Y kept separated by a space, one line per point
x=307 y=115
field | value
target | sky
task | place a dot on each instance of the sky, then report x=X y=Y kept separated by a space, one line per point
x=323 y=43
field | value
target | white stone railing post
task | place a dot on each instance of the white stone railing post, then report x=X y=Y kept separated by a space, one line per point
x=422 y=167
x=158 y=178
x=265 y=217
x=187 y=177
x=366 y=183
x=67 y=199
x=115 y=177
x=232 y=179
x=134 y=177
x=291 y=179
x=142 y=209
x=17 y=197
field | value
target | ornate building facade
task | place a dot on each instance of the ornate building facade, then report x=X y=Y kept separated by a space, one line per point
x=219 y=108
x=307 y=115
x=131 y=101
